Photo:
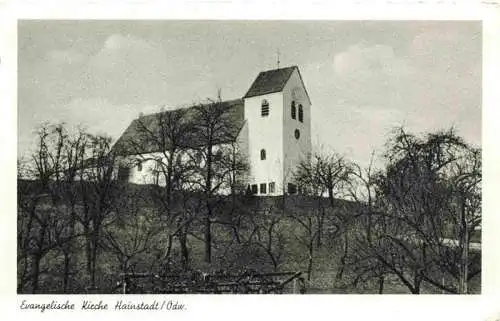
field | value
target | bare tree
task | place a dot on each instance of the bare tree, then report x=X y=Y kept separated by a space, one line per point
x=130 y=231
x=214 y=127
x=362 y=192
x=74 y=150
x=164 y=140
x=417 y=201
x=306 y=234
x=268 y=233
x=47 y=202
x=321 y=175
x=99 y=191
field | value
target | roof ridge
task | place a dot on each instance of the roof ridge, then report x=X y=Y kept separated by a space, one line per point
x=235 y=100
x=276 y=69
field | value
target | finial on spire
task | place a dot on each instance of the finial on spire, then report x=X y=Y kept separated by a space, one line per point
x=278 y=56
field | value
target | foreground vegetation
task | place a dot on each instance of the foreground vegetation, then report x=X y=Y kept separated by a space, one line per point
x=352 y=229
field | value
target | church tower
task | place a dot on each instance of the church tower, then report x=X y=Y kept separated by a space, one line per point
x=277 y=111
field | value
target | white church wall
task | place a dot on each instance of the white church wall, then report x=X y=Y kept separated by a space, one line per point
x=242 y=144
x=145 y=168
x=242 y=141
x=142 y=167
x=265 y=133
x=295 y=149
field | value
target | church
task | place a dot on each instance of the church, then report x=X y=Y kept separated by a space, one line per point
x=272 y=124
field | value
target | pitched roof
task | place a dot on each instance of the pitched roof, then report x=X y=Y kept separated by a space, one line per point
x=270 y=81
x=137 y=138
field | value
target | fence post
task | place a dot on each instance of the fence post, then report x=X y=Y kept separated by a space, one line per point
x=124 y=284
x=302 y=285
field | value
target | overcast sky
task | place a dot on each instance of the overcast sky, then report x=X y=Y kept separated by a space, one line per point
x=364 y=78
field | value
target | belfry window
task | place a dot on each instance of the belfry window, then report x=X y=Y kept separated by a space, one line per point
x=264 y=112
x=294 y=110
x=262 y=154
x=301 y=114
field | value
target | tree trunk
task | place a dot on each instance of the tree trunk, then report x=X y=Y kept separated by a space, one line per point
x=321 y=217
x=464 y=246
x=68 y=249
x=95 y=240
x=343 y=258
x=381 y=280
x=168 y=183
x=125 y=278
x=310 y=263
x=184 y=249
x=37 y=259
x=417 y=280
x=25 y=246
x=208 y=223
x=166 y=258
x=208 y=239
x=88 y=249
x=67 y=270
x=36 y=273
x=275 y=264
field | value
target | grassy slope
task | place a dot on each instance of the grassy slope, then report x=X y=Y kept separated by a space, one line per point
x=229 y=255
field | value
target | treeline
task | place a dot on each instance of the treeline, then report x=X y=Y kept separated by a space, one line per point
x=76 y=210
x=79 y=227
x=416 y=216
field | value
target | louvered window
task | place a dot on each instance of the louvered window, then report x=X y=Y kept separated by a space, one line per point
x=265 y=108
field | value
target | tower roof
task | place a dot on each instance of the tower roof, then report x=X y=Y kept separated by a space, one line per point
x=270 y=81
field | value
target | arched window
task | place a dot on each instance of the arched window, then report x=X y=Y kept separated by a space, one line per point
x=301 y=114
x=293 y=110
x=265 y=108
x=262 y=154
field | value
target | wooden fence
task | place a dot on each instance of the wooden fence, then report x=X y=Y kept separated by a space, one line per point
x=214 y=283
